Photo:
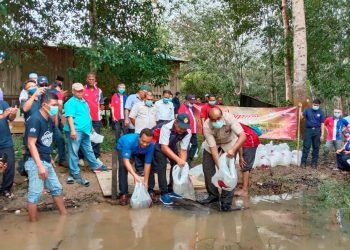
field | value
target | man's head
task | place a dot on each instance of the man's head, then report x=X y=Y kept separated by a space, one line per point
x=220 y=101
x=216 y=117
x=49 y=103
x=182 y=123
x=337 y=113
x=121 y=88
x=143 y=91
x=177 y=94
x=59 y=79
x=316 y=104
x=145 y=137
x=30 y=86
x=167 y=96
x=199 y=100
x=91 y=80
x=211 y=100
x=190 y=100
x=43 y=81
x=149 y=99
x=33 y=76
x=78 y=90
x=206 y=97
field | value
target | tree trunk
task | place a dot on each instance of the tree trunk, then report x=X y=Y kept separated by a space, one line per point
x=287 y=69
x=93 y=28
x=300 y=53
x=273 y=85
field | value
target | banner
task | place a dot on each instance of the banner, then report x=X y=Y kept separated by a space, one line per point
x=275 y=123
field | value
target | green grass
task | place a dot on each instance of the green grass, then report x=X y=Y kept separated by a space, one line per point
x=109 y=142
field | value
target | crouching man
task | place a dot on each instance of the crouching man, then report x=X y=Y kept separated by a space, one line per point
x=38 y=140
x=131 y=146
x=222 y=133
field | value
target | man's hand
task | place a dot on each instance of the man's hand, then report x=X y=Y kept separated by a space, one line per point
x=146 y=184
x=39 y=91
x=339 y=151
x=242 y=162
x=181 y=163
x=13 y=111
x=231 y=153
x=137 y=178
x=6 y=113
x=322 y=138
x=2 y=167
x=42 y=173
x=347 y=152
x=73 y=135
x=126 y=122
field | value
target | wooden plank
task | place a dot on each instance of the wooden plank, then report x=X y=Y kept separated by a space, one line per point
x=105 y=181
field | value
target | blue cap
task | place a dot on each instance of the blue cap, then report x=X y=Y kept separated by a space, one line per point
x=183 y=120
x=42 y=80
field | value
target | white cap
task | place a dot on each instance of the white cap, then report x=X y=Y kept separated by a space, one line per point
x=77 y=86
x=33 y=75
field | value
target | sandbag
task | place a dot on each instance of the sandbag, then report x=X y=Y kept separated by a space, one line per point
x=140 y=197
x=226 y=176
x=296 y=157
x=182 y=182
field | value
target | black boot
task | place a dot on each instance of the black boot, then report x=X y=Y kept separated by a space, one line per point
x=209 y=200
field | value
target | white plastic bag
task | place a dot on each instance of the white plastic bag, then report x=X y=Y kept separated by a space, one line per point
x=182 y=182
x=226 y=176
x=280 y=158
x=296 y=158
x=261 y=157
x=96 y=138
x=140 y=197
x=197 y=171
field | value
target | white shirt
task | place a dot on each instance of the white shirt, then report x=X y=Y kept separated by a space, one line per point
x=145 y=117
x=335 y=129
x=165 y=111
x=121 y=106
x=23 y=96
x=165 y=135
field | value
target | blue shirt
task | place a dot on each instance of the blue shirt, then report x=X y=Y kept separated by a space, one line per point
x=6 y=137
x=313 y=118
x=129 y=145
x=130 y=102
x=79 y=110
x=38 y=127
x=35 y=107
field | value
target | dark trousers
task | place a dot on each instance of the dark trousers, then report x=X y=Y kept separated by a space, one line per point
x=311 y=138
x=61 y=146
x=342 y=161
x=139 y=163
x=9 y=174
x=95 y=146
x=159 y=164
x=119 y=127
x=209 y=171
x=193 y=149
x=131 y=131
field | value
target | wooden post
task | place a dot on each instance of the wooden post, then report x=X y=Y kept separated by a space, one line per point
x=115 y=167
x=299 y=121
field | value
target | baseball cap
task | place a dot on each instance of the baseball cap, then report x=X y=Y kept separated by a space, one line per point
x=144 y=87
x=33 y=75
x=42 y=80
x=77 y=86
x=191 y=98
x=183 y=120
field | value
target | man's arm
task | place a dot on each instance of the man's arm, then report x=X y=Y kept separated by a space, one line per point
x=171 y=155
x=241 y=139
x=35 y=155
x=147 y=173
x=73 y=133
x=28 y=104
x=322 y=131
x=215 y=155
x=130 y=169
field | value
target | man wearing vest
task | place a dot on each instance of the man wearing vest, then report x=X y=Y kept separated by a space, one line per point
x=117 y=110
x=166 y=137
x=188 y=109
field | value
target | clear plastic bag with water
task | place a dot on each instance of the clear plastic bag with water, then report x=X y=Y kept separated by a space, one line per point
x=140 y=197
x=182 y=182
x=226 y=176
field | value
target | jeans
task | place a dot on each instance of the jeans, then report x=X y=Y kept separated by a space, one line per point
x=159 y=165
x=36 y=185
x=311 y=138
x=58 y=138
x=193 y=149
x=96 y=146
x=9 y=174
x=83 y=142
x=139 y=163
x=336 y=144
x=118 y=128
x=209 y=171
x=342 y=161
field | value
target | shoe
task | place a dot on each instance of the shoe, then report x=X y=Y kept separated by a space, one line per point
x=81 y=163
x=165 y=199
x=208 y=200
x=100 y=169
x=175 y=195
x=225 y=208
x=99 y=161
x=153 y=197
x=303 y=165
x=80 y=180
x=123 y=200
x=8 y=194
x=63 y=164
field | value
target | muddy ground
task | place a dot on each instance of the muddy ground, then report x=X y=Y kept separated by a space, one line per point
x=276 y=180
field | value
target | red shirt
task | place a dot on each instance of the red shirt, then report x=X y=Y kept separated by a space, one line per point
x=205 y=110
x=118 y=104
x=252 y=140
x=185 y=109
x=93 y=97
x=60 y=95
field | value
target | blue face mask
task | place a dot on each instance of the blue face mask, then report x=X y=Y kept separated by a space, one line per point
x=121 y=91
x=212 y=103
x=336 y=115
x=149 y=103
x=315 y=107
x=190 y=105
x=218 y=124
x=32 y=91
x=53 y=110
x=166 y=100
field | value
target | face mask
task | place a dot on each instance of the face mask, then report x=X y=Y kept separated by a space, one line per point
x=315 y=107
x=336 y=115
x=32 y=91
x=121 y=91
x=212 y=103
x=166 y=100
x=149 y=103
x=218 y=124
x=190 y=105
x=53 y=110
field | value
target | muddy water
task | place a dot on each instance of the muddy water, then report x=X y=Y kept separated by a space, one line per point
x=280 y=222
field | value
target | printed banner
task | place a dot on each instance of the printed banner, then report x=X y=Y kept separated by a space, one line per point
x=275 y=123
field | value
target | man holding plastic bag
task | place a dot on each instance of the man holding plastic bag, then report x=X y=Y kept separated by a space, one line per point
x=222 y=133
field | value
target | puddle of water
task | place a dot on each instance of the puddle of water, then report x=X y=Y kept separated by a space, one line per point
x=268 y=224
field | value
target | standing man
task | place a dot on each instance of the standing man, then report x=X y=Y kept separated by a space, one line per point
x=222 y=133
x=207 y=107
x=188 y=109
x=6 y=148
x=33 y=103
x=38 y=140
x=166 y=137
x=23 y=96
x=144 y=114
x=176 y=102
x=130 y=146
x=334 y=126
x=117 y=106
x=78 y=129
x=165 y=108
x=94 y=98
x=130 y=102
x=314 y=132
